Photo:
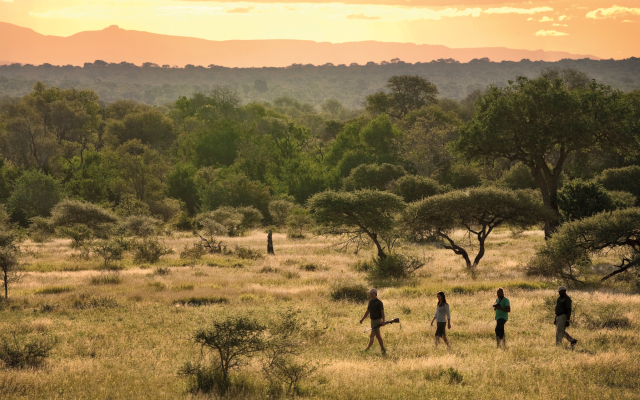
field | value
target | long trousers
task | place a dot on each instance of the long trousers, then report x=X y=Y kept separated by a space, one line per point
x=561 y=325
x=500 y=328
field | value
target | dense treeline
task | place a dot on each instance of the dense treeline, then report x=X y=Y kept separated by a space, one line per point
x=556 y=148
x=155 y=85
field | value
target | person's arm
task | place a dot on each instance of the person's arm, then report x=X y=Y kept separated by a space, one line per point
x=364 y=316
x=383 y=319
x=448 y=316
x=505 y=309
x=568 y=312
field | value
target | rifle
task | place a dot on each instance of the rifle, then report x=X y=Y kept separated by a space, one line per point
x=391 y=321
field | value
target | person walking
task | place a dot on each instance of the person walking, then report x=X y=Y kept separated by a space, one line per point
x=375 y=310
x=503 y=308
x=563 y=315
x=442 y=318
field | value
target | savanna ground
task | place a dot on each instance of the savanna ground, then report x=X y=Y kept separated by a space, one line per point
x=128 y=340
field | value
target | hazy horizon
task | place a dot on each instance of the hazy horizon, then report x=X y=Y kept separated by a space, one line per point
x=601 y=28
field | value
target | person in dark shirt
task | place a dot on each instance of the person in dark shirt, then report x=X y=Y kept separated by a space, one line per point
x=375 y=310
x=563 y=315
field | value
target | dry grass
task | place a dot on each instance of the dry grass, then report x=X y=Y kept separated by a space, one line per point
x=128 y=340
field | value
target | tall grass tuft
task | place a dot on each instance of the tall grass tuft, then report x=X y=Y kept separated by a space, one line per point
x=54 y=289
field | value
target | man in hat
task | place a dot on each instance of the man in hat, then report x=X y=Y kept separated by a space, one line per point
x=563 y=315
x=375 y=310
x=502 y=306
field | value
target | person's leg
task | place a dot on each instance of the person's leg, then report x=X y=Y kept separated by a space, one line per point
x=500 y=331
x=444 y=338
x=379 y=336
x=370 y=340
x=561 y=321
x=437 y=340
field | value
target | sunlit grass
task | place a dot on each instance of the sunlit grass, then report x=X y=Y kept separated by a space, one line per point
x=128 y=340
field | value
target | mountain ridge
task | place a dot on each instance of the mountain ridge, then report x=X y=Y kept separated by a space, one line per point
x=114 y=44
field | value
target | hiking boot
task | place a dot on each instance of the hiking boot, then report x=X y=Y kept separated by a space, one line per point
x=573 y=343
x=384 y=351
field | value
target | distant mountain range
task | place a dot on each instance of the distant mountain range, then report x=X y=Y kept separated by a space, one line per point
x=113 y=44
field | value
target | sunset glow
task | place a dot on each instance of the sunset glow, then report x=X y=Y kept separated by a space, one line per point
x=599 y=27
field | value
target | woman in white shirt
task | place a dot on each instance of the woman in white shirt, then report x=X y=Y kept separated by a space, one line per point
x=443 y=318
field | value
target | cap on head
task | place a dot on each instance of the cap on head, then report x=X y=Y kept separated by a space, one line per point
x=562 y=289
x=373 y=291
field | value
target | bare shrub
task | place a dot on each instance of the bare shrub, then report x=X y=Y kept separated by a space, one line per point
x=21 y=352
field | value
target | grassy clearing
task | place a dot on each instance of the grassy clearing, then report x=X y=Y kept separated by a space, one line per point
x=128 y=340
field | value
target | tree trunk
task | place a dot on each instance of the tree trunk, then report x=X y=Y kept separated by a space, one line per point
x=374 y=238
x=270 y=243
x=548 y=185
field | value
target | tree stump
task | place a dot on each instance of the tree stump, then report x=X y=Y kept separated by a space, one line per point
x=270 y=243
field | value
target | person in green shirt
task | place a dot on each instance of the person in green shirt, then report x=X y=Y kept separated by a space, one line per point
x=503 y=308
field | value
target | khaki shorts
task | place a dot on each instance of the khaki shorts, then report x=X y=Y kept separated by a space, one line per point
x=375 y=325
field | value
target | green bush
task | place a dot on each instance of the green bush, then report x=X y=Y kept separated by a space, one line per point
x=394 y=266
x=246 y=253
x=234 y=341
x=625 y=179
x=20 y=352
x=298 y=221
x=229 y=221
x=356 y=292
x=279 y=210
x=110 y=251
x=193 y=252
x=413 y=188
x=579 y=199
x=140 y=225
x=149 y=251
x=34 y=195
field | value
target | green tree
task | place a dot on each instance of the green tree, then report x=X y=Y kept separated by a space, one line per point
x=137 y=169
x=372 y=176
x=235 y=340
x=427 y=133
x=479 y=211
x=217 y=188
x=568 y=254
x=181 y=185
x=414 y=187
x=541 y=122
x=150 y=127
x=368 y=213
x=406 y=93
x=34 y=194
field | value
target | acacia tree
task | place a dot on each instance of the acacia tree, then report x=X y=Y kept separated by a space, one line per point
x=479 y=211
x=364 y=212
x=568 y=254
x=541 y=122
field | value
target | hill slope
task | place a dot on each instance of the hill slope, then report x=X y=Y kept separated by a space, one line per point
x=114 y=44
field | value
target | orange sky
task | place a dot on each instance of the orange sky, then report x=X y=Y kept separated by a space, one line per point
x=604 y=28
